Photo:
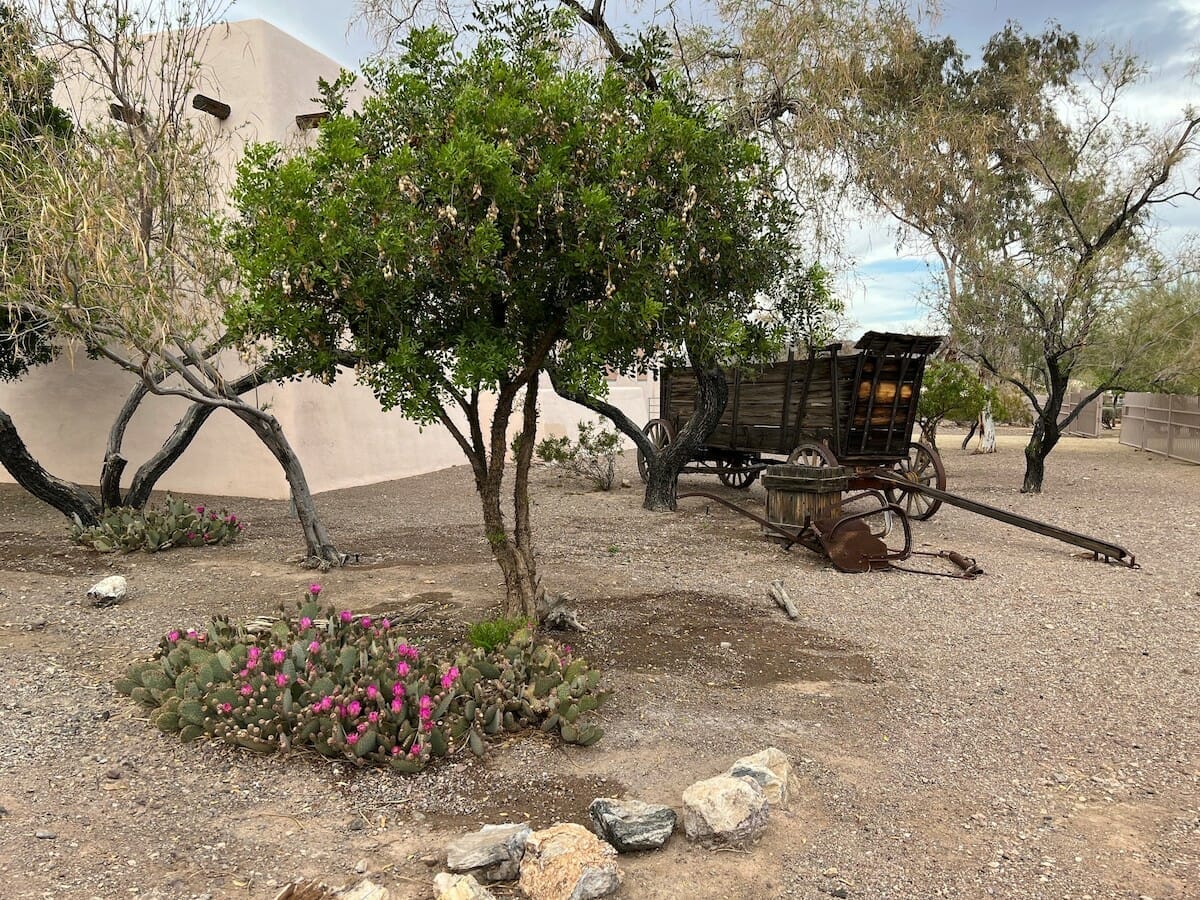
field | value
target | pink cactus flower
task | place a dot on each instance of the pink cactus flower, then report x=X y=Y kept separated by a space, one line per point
x=365 y=621
x=449 y=678
x=191 y=633
x=372 y=691
x=415 y=749
x=314 y=589
x=281 y=680
x=314 y=647
x=373 y=716
x=396 y=751
x=172 y=636
x=278 y=657
x=402 y=668
x=200 y=510
x=226 y=708
x=245 y=690
x=397 y=704
x=326 y=702
x=253 y=651
x=398 y=689
x=353 y=708
x=305 y=623
x=385 y=624
x=352 y=739
x=346 y=615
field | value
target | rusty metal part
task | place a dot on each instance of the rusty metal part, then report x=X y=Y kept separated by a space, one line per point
x=1099 y=548
x=851 y=546
x=792 y=537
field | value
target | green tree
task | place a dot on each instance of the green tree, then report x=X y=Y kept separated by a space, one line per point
x=117 y=253
x=487 y=214
x=1034 y=192
x=950 y=389
x=753 y=91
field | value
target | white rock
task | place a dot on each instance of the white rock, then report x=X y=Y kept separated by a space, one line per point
x=460 y=887
x=108 y=591
x=724 y=811
x=771 y=769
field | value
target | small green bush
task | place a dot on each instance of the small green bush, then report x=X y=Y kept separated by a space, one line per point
x=176 y=524
x=593 y=456
x=348 y=686
x=492 y=633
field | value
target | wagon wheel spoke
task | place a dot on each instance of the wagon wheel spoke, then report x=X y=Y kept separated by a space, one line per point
x=921 y=466
x=814 y=454
x=660 y=433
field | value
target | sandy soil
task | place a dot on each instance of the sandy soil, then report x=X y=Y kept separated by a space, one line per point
x=1029 y=734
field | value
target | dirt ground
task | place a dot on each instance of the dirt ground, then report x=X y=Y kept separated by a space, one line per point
x=1030 y=734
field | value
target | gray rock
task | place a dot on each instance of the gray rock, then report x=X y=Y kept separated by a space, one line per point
x=365 y=890
x=459 y=887
x=724 y=811
x=771 y=769
x=493 y=853
x=45 y=835
x=568 y=862
x=631 y=824
x=108 y=591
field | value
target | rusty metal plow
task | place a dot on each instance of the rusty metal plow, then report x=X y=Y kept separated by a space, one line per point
x=850 y=543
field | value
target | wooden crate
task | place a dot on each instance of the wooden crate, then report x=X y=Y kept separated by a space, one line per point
x=798 y=494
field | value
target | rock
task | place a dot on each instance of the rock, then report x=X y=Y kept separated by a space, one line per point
x=568 y=862
x=365 y=890
x=631 y=824
x=108 y=591
x=360 y=867
x=493 y=853
x=459 y=887
x=45 y=835
x=771 y=769
x=626 y=483
x=724 y=811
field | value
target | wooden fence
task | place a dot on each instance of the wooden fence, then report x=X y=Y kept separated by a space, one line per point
x=1162 y=423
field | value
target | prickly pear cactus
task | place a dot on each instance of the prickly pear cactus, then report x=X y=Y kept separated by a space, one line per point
x=352 y=687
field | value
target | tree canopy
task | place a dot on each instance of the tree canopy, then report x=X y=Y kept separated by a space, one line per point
x=490 y=211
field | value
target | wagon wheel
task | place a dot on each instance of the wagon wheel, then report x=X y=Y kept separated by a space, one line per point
x=734 y=479
x=660 y=433
x=814 y=454
x=922 y=465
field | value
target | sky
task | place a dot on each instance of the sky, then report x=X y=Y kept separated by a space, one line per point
x=884 y=287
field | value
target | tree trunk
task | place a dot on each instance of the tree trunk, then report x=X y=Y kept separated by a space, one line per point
x=929 y=429
x=321 y=551
x=67 y=497
x=1045 y=436
x=662 y=469
x=114 y=462
x=147 y=475
x=987 y=433
x=530 y=590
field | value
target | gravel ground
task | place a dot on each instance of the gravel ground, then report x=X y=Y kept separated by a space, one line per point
x=1029 y=734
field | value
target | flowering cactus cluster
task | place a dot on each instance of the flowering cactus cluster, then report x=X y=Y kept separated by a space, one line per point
x=175 y=524
x=351 y=686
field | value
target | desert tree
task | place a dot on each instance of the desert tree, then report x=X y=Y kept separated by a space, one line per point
x=489 y=213
x=761 y=100
x=1034 y=191
x=120 y=256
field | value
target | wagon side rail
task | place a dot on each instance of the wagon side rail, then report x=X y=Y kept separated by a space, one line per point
x=1098 y=547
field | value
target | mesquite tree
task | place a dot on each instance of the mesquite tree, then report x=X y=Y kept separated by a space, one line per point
x=117 y=250
x=1036 y=194
x=487 y=214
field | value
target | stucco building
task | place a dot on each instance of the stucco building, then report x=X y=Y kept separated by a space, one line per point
x=267 y=79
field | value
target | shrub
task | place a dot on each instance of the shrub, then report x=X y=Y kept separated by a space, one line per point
x=492 y=633
x=593 y=456
x=348 y=686
x=176 y=524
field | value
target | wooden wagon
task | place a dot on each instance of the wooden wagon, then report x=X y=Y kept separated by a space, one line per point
x=830 y=407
